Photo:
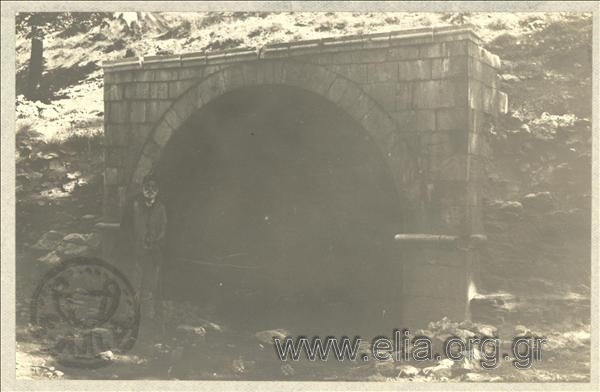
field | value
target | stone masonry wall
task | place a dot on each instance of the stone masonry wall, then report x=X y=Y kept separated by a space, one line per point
x=440 y=89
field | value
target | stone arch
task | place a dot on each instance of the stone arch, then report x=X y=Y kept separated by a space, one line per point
x=338 y=89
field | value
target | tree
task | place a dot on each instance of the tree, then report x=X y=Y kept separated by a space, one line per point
x=36 y=25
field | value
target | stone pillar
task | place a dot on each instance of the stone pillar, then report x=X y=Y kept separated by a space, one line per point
x=453 y=111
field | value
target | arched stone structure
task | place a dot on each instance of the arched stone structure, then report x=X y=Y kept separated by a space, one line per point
x=425 y=97
x=336 y=88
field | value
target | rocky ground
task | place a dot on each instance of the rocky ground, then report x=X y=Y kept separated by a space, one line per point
x=537 y=204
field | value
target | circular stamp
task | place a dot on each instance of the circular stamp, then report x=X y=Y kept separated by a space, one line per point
x=85 y=310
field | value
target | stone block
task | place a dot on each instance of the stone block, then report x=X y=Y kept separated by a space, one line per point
x=453 y=219
x=162 y=133
x=403 y=96
x=478 y=144
x=475 y=94
x=250 y=73
x=480 y=122
x=159 y=90
x=172 y=118
x=483 y=55
x=425 y=120
x=119 y=112
x=320 y=58
x=359 y=106
x=114 y=92
x=439 y=94
x=210 y=88
x=190 y=73
x=382 y=72
x=439 y=166
x=337 y=89
x=110 y=203
x=406 y=120
x=185 y=108
x=456 y=48
x=383 y=93
x=482 y=72
x=138 y=136
x=107 y=112
x=166 y=75
x=155 y=110
x=176 y=88
x=444 y=49
x=490 y=58
x=343 y=58
x=354 y=72
x=277 y=75
x=116 y=134
x=488 y=95
x=450 y=193
x=500 y=103
x=432 y=50
x=414 y=70
x=152 y=150
x=233 y=77
x=319 y=80
x=137 y=112
x=401 y=163
x=114 y=155
x=369 y=56
x=448 y=67
x=263 y=68
x=295 y=75
x=475 y=167
x=137 y=91
x=381 y=128
x=144 y=166
x=121 y=76
x=349 y=100
x=443 y=144
x=111 y=176
x=144 y=76
x=452 y=119
x=402 y=53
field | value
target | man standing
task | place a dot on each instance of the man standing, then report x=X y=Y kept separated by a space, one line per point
x=144 y=228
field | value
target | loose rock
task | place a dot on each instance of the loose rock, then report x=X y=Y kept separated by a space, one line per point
x=49 y=240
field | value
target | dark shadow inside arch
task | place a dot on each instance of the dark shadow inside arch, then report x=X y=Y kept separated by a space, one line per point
x=282 y=213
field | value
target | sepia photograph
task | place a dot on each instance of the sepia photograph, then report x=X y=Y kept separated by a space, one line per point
x=243 y=194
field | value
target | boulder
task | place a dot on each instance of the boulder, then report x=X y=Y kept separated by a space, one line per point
x=107 y=356
x=442 y=370
x=209 y=325
x=540 y=201
x=75 y=238
x=71 y=249
x=191 y=330
x=267 y=337
x=49 y=240
x=51 y=258
x=408 y=371
x=487 y=330
x=91 y=240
